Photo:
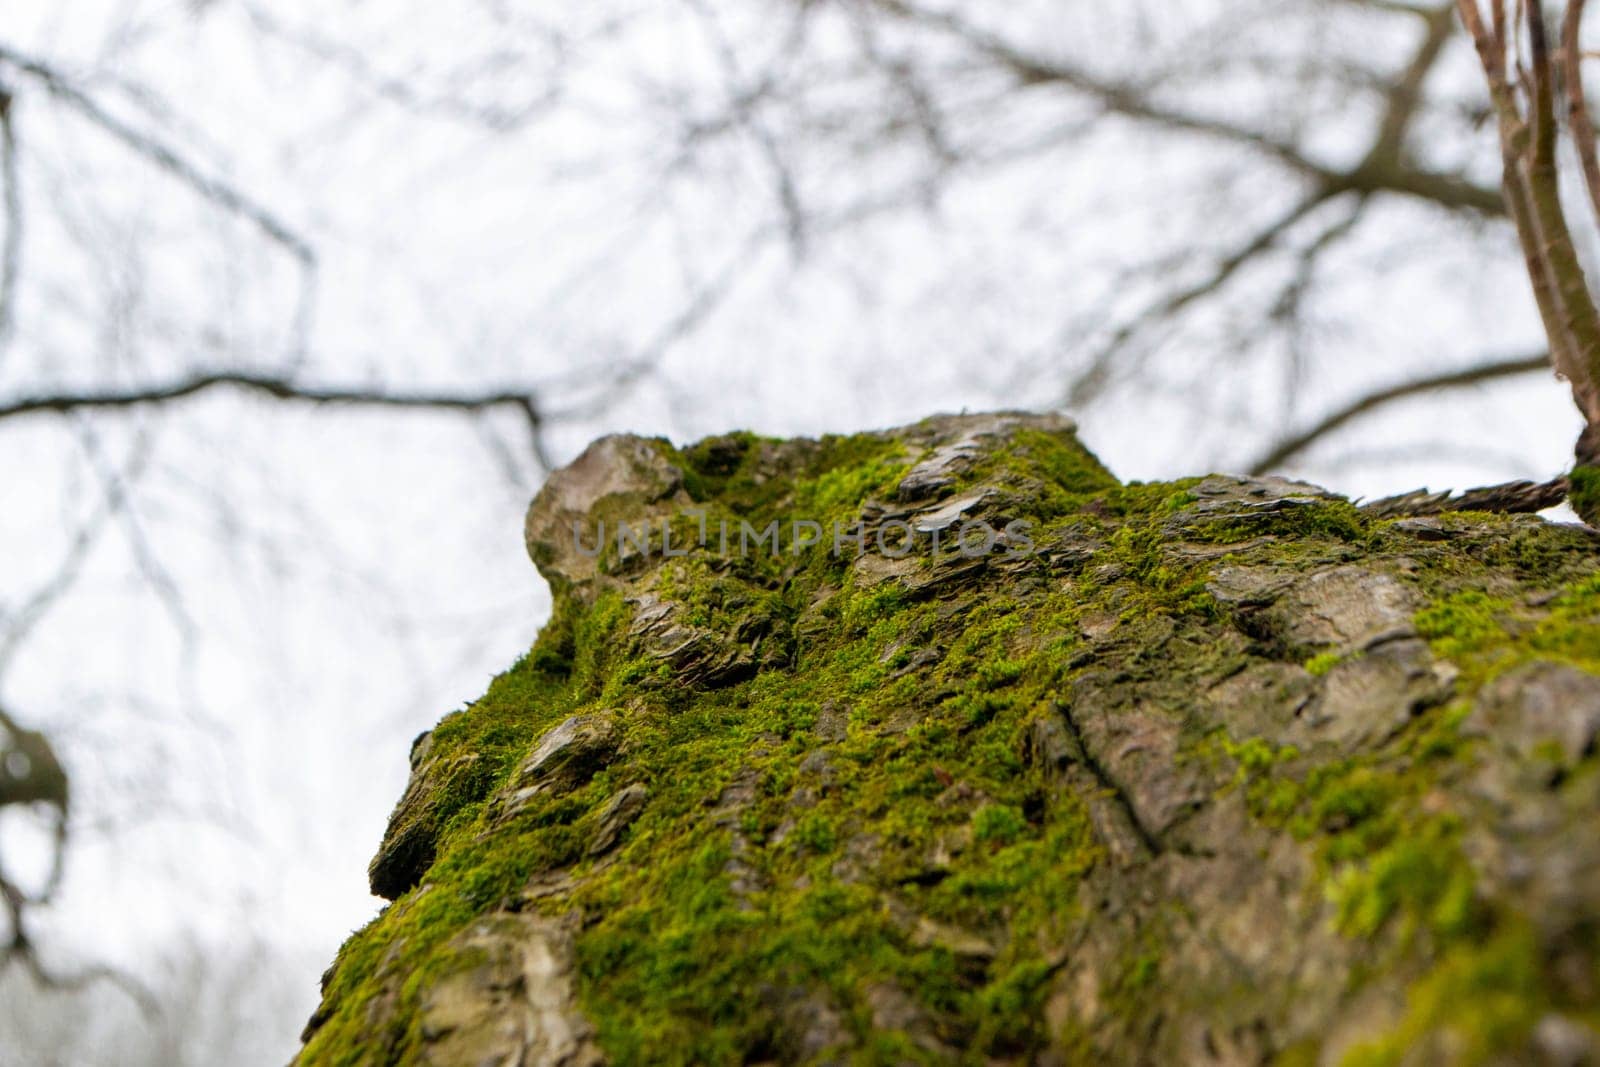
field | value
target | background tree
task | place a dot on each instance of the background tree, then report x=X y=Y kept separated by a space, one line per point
x=297 y=305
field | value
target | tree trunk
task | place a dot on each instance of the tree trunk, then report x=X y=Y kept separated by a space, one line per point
x=1214 y=771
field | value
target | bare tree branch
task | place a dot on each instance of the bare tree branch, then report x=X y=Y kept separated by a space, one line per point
x=279 y=388
x=525 y=401
x=1094 y=378
x=1579 y=317
x=403 y=91
x=11 y=213
x=1292 y=297
x=33 y=609
x=162 y=155
x=1292 y=446
x=1518 y=186
x=121 y=502
x=1376 y=173
x=1384 y=168
x=1405 y=94
x=1578 y=120
x=31 y=774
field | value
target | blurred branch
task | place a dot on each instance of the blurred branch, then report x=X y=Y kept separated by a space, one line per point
x=1288 y=307
x=31 y=774
x=524 y=402
x=11 y=214
x=275 y=387
x=1405 y=94
x=403 y=92
x=1092 y=381
x=121 y=503
x=1393 y=7
x=1578 y=119
x=743 y=113
x=1384 y=169
x=1292 y=446
x=22 y=621
x=163 y=156
x=23 y=952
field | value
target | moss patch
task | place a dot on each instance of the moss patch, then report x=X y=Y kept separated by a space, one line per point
x=896 y=809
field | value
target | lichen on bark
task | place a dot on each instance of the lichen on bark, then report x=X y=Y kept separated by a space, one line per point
x=1215 y=771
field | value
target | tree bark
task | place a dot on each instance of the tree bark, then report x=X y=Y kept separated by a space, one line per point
x=1222 y=770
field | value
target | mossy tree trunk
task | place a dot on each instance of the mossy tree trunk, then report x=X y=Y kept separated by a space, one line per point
x=1215 y=771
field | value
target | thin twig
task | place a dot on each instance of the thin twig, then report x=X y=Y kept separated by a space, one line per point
x=1578 y=120
x=1290 y=447
x=162 y=155
x=11 y=210
x=147 y=562
x=24 y=619
x=1093 y=379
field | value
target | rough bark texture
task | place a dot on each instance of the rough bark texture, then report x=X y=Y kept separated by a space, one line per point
x=1217 y=771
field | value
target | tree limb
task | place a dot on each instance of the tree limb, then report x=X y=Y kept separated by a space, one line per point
x=1580 y=320
x=1578 y=119
x=1376 y=173
x=162 y=155
x=20 y=621
x=1293 y=445
x=278 y=388
x=524 y=402
x=11 y=211
x=1405 y=94
x=1097 y=375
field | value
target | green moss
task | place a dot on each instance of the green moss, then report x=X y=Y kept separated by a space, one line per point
x=1042 y=475
x=1584 y=494
x=723 y=469
x=1146 y=500
x=1479 y=1001
x=1312 y=520
x=880 y=768
x=1323 y=662
x=1571 y=631
x=1421 y=878
x=1389 y=865
x=1462 y=623
x=998 y=824
x=840 y=490
x=1151 y=581
x=1488 y=635
x=1060 y=460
